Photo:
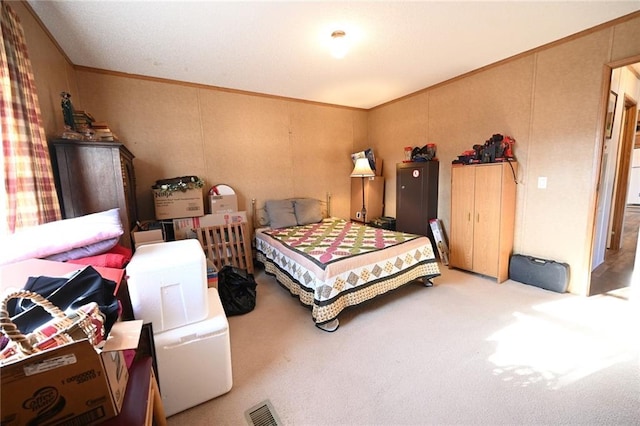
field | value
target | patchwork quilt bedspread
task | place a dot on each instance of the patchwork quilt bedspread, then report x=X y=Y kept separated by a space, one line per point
x=335 y=264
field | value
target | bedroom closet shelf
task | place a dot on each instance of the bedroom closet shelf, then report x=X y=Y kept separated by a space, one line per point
x=227 y=245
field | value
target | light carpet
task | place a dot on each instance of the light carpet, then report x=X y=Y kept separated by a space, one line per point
x=466 y=351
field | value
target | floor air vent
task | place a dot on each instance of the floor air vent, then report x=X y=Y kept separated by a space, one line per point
x=262 y=414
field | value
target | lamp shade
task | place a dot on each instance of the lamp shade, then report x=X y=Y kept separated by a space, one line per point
x=362 y=168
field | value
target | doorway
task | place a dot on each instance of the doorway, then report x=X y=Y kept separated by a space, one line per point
x=618 y=209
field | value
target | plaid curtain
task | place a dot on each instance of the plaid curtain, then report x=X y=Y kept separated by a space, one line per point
x=30 y=196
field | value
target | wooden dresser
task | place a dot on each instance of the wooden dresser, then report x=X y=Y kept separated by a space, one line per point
x=95 y=176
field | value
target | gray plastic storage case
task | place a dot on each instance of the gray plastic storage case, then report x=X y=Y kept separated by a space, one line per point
x=543 y=273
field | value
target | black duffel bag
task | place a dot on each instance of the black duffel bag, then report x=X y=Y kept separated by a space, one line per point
x=237 y=290
x=84 y=286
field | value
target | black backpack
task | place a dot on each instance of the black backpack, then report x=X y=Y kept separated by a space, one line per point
x=237 y=290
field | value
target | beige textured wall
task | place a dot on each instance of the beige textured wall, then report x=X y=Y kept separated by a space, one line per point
x=263 y=147
x=565 y=121
x=52 y=72
x=550 y=101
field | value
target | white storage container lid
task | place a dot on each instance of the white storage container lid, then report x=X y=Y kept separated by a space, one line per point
x=165 y=255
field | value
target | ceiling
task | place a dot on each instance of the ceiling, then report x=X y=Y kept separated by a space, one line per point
x=281 y=48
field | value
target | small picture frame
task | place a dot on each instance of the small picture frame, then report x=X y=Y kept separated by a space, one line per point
x=611 y=113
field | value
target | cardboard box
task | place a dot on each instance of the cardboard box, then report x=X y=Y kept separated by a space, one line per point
x=72 y=384
x=223 y=203
x=183 y=228
x=178 y=204
x=150 y=236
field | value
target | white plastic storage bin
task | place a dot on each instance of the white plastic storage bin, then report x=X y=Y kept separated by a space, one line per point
x=194 y=361
x=168 y=284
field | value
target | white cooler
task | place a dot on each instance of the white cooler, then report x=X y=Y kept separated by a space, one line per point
x=194 y=361
x=168 y=284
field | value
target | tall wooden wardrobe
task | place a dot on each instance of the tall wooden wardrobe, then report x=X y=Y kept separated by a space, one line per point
x=483 y=201
x=416 y=196
x=95 y=176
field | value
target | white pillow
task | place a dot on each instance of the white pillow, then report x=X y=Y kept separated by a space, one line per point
x=60 y=236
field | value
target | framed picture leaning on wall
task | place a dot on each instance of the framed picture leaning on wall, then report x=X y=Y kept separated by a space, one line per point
x=611 y=113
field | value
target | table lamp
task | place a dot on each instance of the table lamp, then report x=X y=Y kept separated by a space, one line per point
x=362 y=169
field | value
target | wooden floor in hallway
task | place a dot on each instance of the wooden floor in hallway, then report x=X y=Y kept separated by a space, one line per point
x=616 y=270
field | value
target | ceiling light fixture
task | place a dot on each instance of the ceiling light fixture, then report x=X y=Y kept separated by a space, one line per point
x=339 y=45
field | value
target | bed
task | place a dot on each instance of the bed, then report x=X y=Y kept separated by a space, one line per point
x=330 y=263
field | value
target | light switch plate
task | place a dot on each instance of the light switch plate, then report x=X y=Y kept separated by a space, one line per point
x=542 y=182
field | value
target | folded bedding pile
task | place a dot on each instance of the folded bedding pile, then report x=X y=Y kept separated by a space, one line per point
x=117 y=257
x=91 y=240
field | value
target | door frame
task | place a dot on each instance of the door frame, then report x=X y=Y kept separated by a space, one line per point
x=599 y=163
x=622 y=174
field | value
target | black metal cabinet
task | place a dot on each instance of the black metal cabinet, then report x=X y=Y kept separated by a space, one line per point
x=95 y=176
x=416 y=196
